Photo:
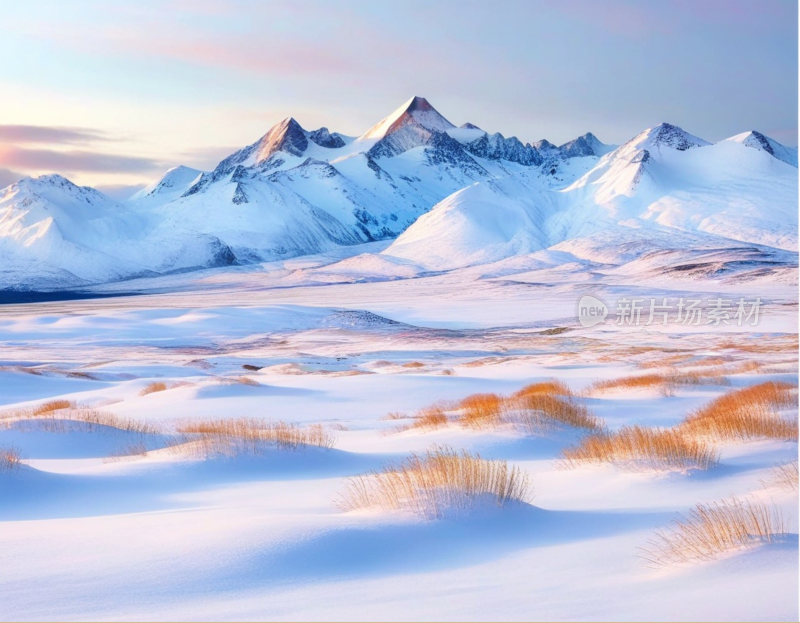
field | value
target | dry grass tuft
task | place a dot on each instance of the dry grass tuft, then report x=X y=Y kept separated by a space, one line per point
x=430 y=418
x=59 y=416
x=395 y=415
x=666 y=384
x=637 y=447
x=548 y=388
x=61 y=422
x=245 y=380
x=709 y=530
x=153 y=388
x=442 y=479
x=783 y=476
x=748 y=413
x=231 y=437
x=540 y=413
x=536 y=409
x=9 y=458
x=53 y=405
x=413 y=364
x=481 y=410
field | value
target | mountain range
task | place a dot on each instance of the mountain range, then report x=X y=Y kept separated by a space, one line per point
x=446 y=197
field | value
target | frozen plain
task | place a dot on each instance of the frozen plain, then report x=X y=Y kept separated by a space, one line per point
x=165 y=536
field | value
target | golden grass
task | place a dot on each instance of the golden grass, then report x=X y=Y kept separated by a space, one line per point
x=413 y=364
x=437 y=481
x=547 y=388
x=481 y=410
x=666 y=384
x=637 y=447
x=536 y=409
x=53 y=405
x=246 y=380
x=153 y=388
x=545 y=406
x=783 y=476
x=709 y=530
x=748 y=413
x=485 y=361
x=231 y=437
x=95 y=417
x=430 y=418
x=768 y=346
x=9 y=458
x=59 y=416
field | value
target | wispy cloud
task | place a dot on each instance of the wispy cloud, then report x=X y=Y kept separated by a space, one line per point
x=75 y=161
x=47 y=134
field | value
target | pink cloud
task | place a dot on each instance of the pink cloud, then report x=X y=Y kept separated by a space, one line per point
x=49 y=134
x=74 y=161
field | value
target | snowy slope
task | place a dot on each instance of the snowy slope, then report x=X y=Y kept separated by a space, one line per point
x=174 y=183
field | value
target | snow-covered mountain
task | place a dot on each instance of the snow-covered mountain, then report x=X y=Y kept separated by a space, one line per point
x=586 y=145
x=662 y=190
x=56 y=234
x=296 y=191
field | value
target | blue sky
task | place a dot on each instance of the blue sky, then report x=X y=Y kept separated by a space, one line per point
x=114 y=92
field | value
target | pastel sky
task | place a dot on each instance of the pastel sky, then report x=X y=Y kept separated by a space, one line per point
x=112 y=93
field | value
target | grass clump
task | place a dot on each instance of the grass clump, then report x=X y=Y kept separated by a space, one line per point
x=235 y=436
x=667 y=384
x=748 y=413
x=544 y=406
x=153 y=388
x=536 y=409
x=709 y=530
x=637 y=447
x=440 y=480
x=783 y=476
x=52 y=405
x=430 y=418
x=481 y=411
x=10 y=458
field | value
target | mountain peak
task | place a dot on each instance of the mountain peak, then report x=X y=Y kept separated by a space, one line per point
x=666 y=134
x=586 y=145
x=174 y=182
x=762 y=142
x=415 y=112
x=287 y=135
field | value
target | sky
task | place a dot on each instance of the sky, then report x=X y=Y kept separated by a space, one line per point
x=111 y=94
